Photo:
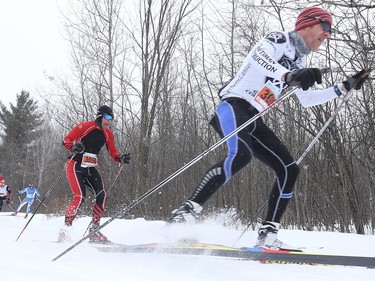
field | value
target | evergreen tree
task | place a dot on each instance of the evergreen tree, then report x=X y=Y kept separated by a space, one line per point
x=20 y=130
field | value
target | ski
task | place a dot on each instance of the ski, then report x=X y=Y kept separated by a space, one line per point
x=258 y=254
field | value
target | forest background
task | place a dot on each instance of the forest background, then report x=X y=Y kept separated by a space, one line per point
x=159 y=65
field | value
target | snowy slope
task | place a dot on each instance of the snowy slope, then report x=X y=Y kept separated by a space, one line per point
x=30 y=257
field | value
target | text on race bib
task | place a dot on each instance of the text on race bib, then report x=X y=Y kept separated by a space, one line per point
x=89 y=160
x=266 y=96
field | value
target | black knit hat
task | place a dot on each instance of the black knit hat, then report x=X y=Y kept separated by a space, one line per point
x=104 y=109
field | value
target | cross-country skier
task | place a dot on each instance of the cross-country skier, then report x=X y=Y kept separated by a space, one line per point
x=5 y=193
x=279 y=58
x=85 y=141
x=31 y=192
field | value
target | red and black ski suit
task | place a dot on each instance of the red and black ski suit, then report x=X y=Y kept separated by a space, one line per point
x=93 y=138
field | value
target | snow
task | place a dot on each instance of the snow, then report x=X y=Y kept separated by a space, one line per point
x=30 y=258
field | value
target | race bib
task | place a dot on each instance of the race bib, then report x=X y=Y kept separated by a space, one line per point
x=3 y=190
x=266 y=96
x=89 y=160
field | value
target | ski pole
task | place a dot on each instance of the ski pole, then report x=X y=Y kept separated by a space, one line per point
x=115 y=179
x=325 y=126
x=10 y=207
x=127 y=208
x=251 y=222
x=46 y=195
x=41 y=202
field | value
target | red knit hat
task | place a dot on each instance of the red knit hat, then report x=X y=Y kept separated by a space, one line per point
x=312 y=16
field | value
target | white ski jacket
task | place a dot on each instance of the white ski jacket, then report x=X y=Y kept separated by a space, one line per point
x=269 y=60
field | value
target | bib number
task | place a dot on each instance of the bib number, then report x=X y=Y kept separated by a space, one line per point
x=266 y=96
x=89 y=160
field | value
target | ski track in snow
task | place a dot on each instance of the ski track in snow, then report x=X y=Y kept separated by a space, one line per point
x=30 y=258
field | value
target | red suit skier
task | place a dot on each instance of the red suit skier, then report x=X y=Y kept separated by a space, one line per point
x=85 y=141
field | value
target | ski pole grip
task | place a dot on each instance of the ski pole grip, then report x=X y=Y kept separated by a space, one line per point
x=325 y=70
x=366 y=73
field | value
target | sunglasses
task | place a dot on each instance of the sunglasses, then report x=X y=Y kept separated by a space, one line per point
x=107 y=117
x=326 y=26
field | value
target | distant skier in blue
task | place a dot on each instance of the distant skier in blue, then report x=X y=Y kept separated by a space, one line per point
x=31 y=192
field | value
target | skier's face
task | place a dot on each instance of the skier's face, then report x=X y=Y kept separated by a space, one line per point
x=106 y=123
x=315 y=36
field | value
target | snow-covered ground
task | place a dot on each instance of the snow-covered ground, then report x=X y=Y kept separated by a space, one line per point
x=30 y=258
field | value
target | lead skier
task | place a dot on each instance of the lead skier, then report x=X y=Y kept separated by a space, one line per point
x=277 y=61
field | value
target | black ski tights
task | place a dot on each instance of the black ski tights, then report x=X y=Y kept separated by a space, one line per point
x=256 y=140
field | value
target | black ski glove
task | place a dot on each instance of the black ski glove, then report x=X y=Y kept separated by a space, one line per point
x=8 y=201
x=78 y=148
x=124 y=159
x=304 y=78
x=356 y=81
